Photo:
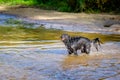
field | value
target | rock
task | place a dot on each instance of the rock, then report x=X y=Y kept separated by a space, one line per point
x=115 y=27
x=109 y=23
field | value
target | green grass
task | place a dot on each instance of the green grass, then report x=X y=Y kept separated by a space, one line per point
x=18 y=2
x=96 y=6
x=19 y=33
x=50 y=5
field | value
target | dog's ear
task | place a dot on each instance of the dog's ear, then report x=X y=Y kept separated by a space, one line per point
x=68 y=36
x=65 y=37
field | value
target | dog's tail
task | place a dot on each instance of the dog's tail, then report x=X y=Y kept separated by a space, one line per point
x=96 y=42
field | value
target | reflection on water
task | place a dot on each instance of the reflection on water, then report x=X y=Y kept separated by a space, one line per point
x=38 y=61
x=87 y=60
x=100 y=67
x=74 y=61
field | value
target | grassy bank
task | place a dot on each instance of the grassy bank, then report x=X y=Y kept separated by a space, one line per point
x=96 y=6
x=17 y=2
x=19 y=33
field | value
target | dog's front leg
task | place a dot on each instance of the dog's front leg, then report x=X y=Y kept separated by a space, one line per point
x=75 y=52
x=74 y=48
x=70 y=50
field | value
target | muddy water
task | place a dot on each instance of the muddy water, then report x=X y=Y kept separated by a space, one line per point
x=47 y=60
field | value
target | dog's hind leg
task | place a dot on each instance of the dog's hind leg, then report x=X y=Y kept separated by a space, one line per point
x=83 y=49
x=87 y=48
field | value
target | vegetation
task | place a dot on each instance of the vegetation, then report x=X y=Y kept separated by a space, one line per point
x=41 y=33
x=70 y=5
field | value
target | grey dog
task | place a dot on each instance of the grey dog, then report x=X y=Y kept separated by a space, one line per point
x=79 y=43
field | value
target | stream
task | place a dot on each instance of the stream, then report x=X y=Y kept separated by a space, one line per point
x=48 y=59
x=27 y=61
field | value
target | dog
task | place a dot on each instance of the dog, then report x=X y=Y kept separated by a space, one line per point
x=79 y=43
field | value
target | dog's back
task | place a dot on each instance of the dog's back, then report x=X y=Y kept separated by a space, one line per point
x=78 y=42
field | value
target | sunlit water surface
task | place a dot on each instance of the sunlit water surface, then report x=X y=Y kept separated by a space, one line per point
x=48 y=60
x=82 y=26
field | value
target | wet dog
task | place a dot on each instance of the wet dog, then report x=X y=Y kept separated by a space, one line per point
x=78 y=43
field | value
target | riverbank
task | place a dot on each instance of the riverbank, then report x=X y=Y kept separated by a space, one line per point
x=77 y=22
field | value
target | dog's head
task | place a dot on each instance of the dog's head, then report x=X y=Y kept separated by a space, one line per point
x=65 y=37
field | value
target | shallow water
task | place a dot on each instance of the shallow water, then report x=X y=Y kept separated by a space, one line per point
x=95 y=26
x=49 y=61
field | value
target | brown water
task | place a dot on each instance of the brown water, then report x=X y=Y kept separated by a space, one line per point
x=36 y=60
x=48 y=59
